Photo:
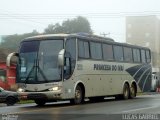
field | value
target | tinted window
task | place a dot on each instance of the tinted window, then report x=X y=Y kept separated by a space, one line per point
x=143 y=56
x=127 y=54
x=86 y=49
x=71 y=49
x=136 y=55
x=148 y=56
x=83 y=49
x=107 y=52
x=31 y=46
x=96 y=50
x=118 y=53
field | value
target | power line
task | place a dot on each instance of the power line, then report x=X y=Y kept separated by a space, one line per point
x=65 y=16
x=12 y=17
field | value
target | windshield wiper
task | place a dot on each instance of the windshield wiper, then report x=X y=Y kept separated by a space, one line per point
x=35 y=67
x=31 y=71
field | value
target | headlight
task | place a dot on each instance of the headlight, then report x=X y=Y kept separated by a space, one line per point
x=20 y=90
x=54 y=88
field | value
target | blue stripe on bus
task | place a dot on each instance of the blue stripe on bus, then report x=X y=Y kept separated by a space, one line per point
x=142 y=75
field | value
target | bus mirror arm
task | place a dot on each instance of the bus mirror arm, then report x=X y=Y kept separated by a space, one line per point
x=61 y=57
x=8 y=61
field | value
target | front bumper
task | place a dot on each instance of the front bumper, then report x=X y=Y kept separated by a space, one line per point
x=40 y=95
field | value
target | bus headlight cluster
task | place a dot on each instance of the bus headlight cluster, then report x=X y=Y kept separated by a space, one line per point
x=20 y=90
x=54 y=88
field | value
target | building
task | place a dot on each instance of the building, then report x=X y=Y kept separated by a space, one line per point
x=8 y=76
x=145 y=31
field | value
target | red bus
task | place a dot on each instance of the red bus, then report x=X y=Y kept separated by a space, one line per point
x=7 y=76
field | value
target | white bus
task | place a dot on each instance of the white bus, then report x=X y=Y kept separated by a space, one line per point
x=78 y=66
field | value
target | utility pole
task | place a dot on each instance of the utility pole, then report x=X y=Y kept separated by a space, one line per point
x=105 y=34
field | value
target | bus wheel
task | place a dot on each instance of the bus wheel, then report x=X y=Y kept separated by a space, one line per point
x=79 y=98
x=40 y=102
x=125 y=94
x=133 y=91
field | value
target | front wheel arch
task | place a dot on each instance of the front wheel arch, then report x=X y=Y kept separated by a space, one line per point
x=79 y=94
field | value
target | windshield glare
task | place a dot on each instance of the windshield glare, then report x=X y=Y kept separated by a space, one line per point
x=38 y=61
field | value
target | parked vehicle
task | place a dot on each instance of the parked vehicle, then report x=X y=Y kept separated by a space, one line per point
x=154 y=83
x=7 y=76
x=8 y=97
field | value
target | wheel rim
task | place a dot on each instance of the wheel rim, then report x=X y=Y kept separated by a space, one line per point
x=78 y=95
x=132 y=91
x=126 y=92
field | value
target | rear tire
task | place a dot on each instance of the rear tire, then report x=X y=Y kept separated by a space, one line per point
x=133 y=91
x=79 y=96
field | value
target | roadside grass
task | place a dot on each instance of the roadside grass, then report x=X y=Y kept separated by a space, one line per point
x=25 y=101
x=145 y=93
x=141 y=93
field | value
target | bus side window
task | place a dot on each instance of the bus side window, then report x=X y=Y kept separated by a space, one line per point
x=143 y=56
x=148 y=56
x=128 y=54
x=107 y=52
x=96 y=50
x=118 y=53
x=83 y=49
x=67 y=65
x=136 y=55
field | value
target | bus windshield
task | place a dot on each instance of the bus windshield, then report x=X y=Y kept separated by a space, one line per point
x=38 y=61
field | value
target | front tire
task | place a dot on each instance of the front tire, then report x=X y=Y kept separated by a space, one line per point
x=79 y=96
x=10 y=101
x=40 y=102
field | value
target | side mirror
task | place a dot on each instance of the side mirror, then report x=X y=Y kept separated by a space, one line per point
x=8 y=61
x=61 y=58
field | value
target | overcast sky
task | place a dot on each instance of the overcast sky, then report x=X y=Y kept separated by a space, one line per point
x=105 y=16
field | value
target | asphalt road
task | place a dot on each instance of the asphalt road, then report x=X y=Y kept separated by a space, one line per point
x=146 y=107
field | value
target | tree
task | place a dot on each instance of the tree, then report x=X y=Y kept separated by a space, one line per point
x=49 y=29
x=12 y=41
x=79 y=24
x=53 y=29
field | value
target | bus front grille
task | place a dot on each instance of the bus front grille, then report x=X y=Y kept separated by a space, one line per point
x=37 y=96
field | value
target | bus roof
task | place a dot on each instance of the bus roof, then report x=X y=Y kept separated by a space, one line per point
x=79 y=35
x=84 y=36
